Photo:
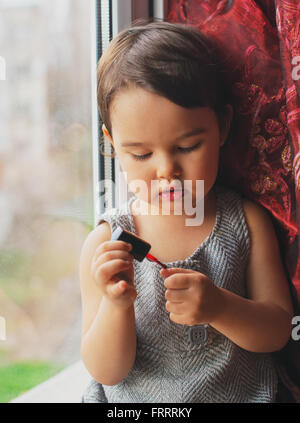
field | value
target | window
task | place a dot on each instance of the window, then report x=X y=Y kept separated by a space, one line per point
x=46 y=185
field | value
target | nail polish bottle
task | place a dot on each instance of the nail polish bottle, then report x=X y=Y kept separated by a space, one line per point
x=140 y=248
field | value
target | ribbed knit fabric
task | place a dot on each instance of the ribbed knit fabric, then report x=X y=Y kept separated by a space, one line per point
x=170 y=366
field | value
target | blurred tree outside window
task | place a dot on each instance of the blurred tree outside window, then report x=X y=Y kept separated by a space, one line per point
x=46 y=185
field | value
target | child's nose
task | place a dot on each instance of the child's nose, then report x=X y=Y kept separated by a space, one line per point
x=167 y=168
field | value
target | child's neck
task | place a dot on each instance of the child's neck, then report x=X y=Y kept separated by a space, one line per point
x=168 y=223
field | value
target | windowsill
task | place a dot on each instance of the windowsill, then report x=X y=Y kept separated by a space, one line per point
x=66 y=386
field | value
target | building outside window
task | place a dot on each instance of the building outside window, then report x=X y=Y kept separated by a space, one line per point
x=46 y=185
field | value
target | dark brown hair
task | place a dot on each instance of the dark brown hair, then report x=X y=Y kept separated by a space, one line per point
x=174 y=60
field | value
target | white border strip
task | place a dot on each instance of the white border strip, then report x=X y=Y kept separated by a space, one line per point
x=160 y=9
x=105 y=28
x=95 y=151
x=121 y=18
x=121 y=15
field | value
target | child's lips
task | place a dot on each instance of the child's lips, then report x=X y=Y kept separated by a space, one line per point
x=172 y=194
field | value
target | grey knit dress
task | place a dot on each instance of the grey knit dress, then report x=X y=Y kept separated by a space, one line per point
x=182 y=364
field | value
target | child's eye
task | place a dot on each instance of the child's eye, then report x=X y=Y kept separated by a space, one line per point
x=188 y=149
x=141 y=157
x=181 y=149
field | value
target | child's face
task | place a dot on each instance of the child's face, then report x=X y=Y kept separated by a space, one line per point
x=160 y=151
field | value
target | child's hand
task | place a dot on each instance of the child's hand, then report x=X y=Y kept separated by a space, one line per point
x=192 y=298
x=113 y=271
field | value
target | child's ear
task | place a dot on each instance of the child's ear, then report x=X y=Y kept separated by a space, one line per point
x=106 y=133
x=225 y=124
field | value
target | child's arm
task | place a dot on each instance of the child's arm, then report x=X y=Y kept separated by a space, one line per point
x=108 y=343
x=261 y=323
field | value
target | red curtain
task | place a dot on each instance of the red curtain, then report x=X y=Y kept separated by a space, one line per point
x=259 y=43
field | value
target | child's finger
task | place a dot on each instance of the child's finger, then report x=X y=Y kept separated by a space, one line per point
x=173 y=270
x=117 y=289
x=111 y=246
x=99 y=259
x=111 y=268
x=122 y=287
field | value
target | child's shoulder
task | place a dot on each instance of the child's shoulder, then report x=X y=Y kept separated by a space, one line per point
x=107 y=220
x=256 y=216
x=98 y=235
x=251 y=208
x=261 y=229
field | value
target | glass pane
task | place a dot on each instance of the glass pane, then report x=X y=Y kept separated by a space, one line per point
x=46 y=185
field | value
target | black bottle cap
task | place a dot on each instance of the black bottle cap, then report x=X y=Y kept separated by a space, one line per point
x=140 y=248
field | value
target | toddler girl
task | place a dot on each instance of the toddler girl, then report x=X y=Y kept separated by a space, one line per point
x=201 y=330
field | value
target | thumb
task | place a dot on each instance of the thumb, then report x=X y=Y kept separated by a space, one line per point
x=172 y=270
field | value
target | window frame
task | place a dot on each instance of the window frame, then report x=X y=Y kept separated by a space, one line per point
x=109 y=186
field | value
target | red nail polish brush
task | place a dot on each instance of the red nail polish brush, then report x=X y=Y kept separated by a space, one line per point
x=140 y=247
x=152 y=258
